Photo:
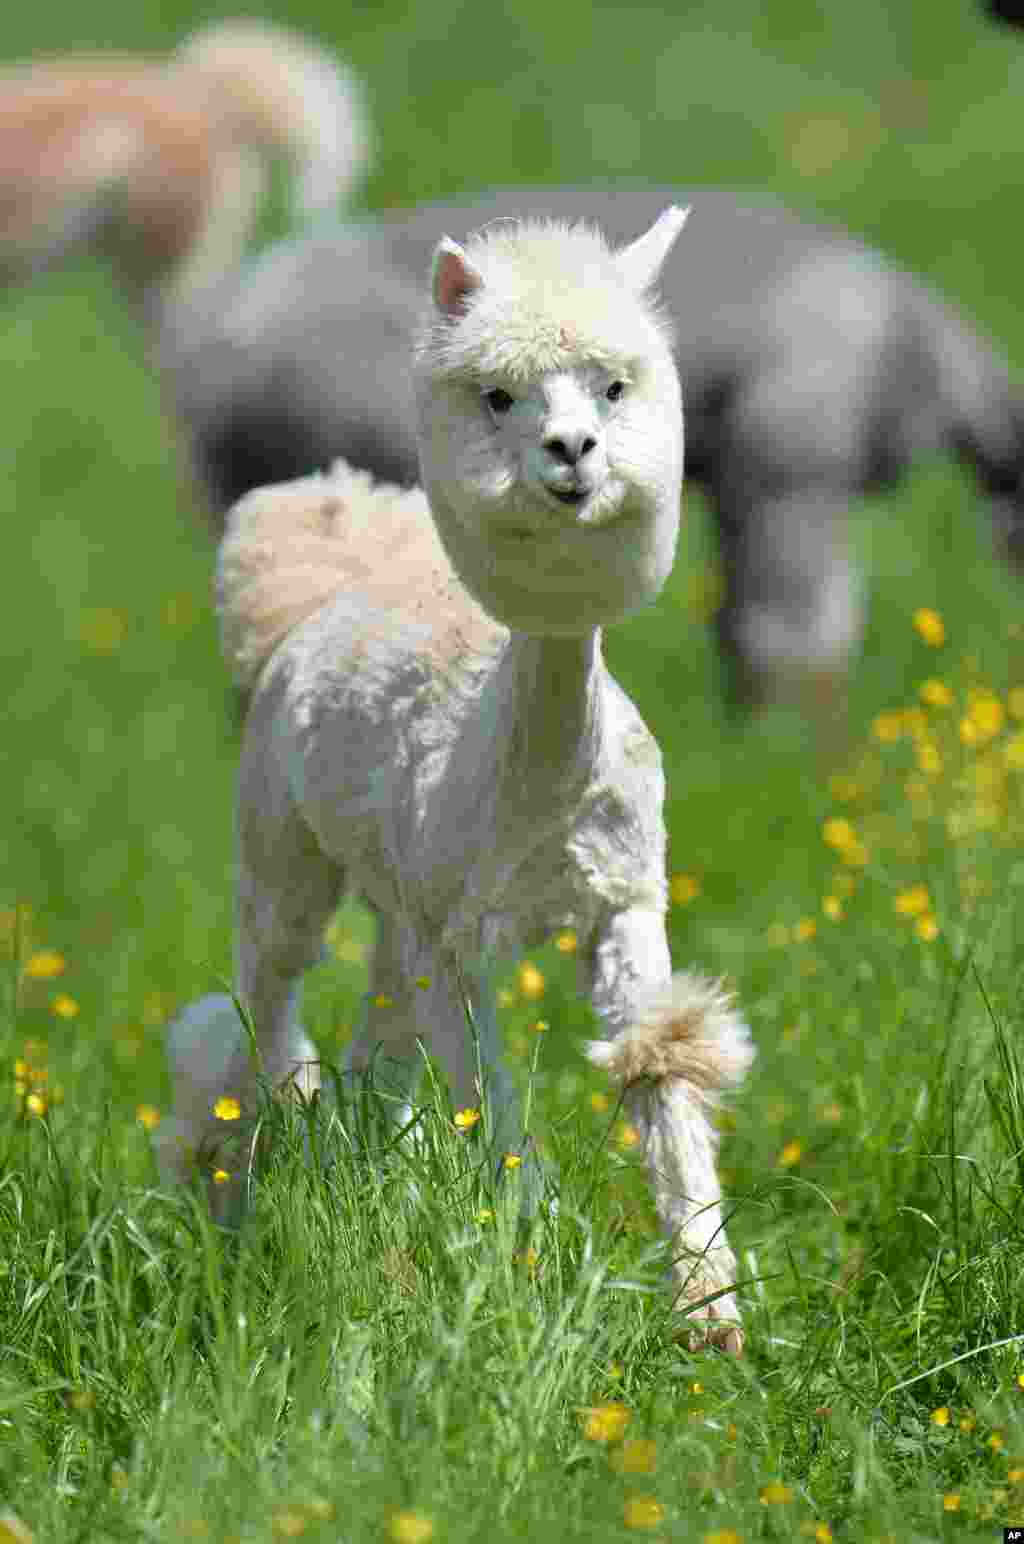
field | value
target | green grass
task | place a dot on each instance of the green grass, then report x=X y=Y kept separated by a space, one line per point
x=368 y=1346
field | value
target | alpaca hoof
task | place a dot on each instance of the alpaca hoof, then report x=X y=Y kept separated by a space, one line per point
x=718 y=1335
x=714 y=1325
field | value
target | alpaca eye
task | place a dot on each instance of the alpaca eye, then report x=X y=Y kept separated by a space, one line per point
x=498 y=401
x=615 y=390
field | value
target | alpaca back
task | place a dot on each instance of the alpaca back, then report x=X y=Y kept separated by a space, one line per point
x=289 y=550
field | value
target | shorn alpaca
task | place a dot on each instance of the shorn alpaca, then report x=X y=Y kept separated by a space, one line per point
x=432 y=726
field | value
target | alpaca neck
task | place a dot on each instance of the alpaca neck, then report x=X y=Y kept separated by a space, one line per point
x=554 y=713
x=233 y=195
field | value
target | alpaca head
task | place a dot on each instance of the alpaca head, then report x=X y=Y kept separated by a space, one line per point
x=550 y=422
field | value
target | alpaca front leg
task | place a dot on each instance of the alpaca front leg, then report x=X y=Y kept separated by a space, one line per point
x=675 y=1044
x=385 y=1046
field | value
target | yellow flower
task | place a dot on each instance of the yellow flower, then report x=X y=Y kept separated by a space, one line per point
x=13 y=1530
x=382 y=1000
x=643 y=1512
x=996 y=1442
x=1020 y=1380
x=775 y=1494
x=805 y=929
x=64 y=1006
x=967 y=1422
x=887 y=727
x=790 y=1155
x=637 y=1455
x=683 y=888
x=930 y=626
x=227 y=1108
x=927 y=928
x=1015 y=1476
x=969 y=732
x=289 y=1524
x=565 y=943
x=147 y=1115
x=221 y=1176
x=530 y=981
x=914 y=902
x=45 y=964
x=731 y=1432
x=616 y=1371
x=410 y=1528
x=423 y=982
x=940 y=1417
x=832 y=906
x=36 y=1104
x=928 y=759
x=484 y=1215
x=837 y=832
x=540 y=1026
x=605 y=1423
x=531 y=1259
x=599 y=1103
x=512 y=1160
x=951 y=1502
x=466 y=1119
x=935 y=693
x=986 y=712
x=626 y=1135
x=696 y=1388
x=723 y=1536
x=103 y=630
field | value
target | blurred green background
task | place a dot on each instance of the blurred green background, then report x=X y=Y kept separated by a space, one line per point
x=903 y=123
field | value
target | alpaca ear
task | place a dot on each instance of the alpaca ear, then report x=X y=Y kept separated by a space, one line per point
x=640 y=262
x=453 y=279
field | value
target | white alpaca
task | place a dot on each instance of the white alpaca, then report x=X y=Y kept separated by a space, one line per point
x=432 y=725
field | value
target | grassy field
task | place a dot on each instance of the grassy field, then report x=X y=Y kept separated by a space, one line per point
x=382 y=1354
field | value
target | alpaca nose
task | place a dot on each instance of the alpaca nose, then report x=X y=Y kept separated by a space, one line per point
x=570 y=445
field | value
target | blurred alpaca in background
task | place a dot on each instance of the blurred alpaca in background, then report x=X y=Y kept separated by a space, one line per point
x=163 y=167
x=812 y=370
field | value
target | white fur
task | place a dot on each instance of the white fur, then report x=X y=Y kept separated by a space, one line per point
x=432 y=724
x=283 y=90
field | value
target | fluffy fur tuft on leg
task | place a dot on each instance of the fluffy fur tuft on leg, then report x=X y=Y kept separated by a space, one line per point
x=686 y=1045
x=688 y=1031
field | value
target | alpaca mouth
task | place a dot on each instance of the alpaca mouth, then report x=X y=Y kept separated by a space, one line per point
x=570 y=495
